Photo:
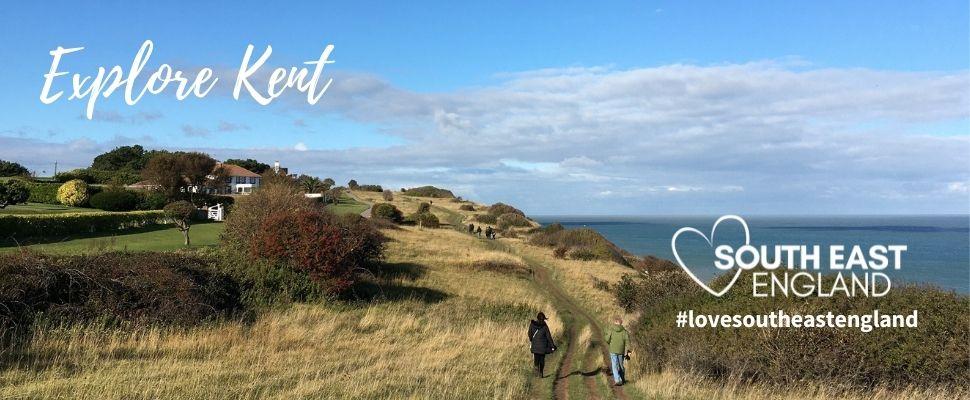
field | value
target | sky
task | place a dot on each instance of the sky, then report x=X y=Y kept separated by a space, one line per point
x=612 y=108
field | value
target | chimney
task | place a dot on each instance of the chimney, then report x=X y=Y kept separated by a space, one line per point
x=276 y=167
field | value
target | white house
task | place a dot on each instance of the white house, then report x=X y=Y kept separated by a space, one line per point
x=239 y=180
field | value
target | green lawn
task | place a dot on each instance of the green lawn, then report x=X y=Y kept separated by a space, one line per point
x=347 y=205
x=159 y=238
x=39 y=208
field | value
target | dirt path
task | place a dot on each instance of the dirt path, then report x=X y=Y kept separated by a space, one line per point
x=577 y=319
x=578 y=360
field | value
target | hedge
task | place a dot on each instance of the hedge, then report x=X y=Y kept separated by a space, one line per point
x=44 y=193
x=115 y=200
x=23 y=226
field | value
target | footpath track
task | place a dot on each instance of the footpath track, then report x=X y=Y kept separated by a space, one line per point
x=579 y=361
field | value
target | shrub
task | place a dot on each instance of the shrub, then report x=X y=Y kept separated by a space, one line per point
x=370 y=188
x=429 y=191
x=151 y=200
x=560 y=252
x=114 y=200
x=486 y=218
x=425 y=219
x=249 y=212
x=509 y=220
x=583 y=244
x=583 y=254
x=328 y=248
x=52 y=225
x=387 y=211
x=935 y=353
x=73 y=193
x=388 y=195
x=265 y=283
x=467 y=207
x=167 y=288
x=501 y=208
x=423 y=208
x=13 y=191
x=43 y=193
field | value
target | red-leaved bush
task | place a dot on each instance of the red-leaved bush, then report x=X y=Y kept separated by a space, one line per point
x=329 y=248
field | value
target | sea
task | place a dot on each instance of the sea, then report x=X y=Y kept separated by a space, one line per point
x=937 y=253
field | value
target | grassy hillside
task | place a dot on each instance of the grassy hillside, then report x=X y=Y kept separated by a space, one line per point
x=444 y=329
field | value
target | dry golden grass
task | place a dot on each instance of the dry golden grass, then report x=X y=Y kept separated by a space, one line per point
x=458 y=347
x=669 y=385
x=578 y=278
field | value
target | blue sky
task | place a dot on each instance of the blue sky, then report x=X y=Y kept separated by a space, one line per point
x=560 y=107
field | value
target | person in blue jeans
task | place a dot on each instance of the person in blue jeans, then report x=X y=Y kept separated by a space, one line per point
x=617 y=339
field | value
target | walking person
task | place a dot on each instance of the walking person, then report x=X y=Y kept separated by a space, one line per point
x=541 y=342
x=617 y=339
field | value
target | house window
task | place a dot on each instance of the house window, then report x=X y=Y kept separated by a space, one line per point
x=252 y=180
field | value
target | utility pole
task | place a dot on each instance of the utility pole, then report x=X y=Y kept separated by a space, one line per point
x=55 y=167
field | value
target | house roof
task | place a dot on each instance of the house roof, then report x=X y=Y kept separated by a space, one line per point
x=235 y=170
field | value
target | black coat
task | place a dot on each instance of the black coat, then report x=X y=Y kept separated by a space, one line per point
x=540 y=337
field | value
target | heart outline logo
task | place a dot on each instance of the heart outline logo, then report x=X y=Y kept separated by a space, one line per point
x=710 y=241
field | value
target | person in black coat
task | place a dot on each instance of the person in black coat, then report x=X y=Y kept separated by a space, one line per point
x=541 y=340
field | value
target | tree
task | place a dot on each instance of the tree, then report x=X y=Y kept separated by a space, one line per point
x=197 y=167
x=9 y=168
x=329 y=182
x=174 y=171
x=271 y=177
x=388 y=196
x=73 y=193
x=353 y=184
x=250 y=164
x=12 y=192
x=181 y=212
x=164 y=170
x=310 y=184
x=132 y=158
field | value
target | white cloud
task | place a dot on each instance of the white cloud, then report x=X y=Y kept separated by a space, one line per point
x=756 y=137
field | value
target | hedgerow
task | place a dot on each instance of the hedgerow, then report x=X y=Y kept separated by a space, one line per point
x=43 y=193
x=49 y=225
x=141 y=288
x=114 y=200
